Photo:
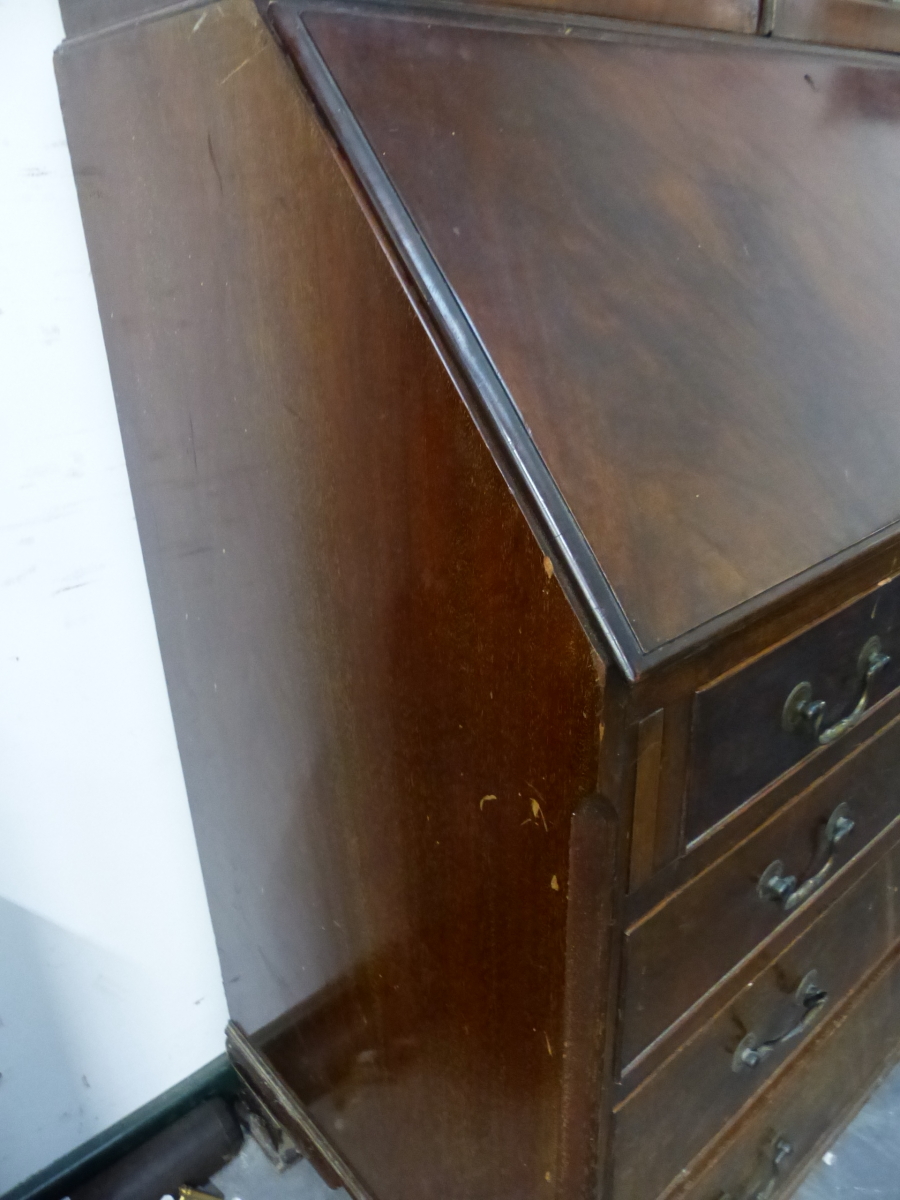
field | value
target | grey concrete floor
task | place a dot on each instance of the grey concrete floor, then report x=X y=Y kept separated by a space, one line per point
x=863 y=1164
x=251 y=1176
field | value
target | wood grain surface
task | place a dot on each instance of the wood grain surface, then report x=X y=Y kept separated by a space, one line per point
x=386 y=710
x=841 y=946
x=691 y=285
x=490 y=384
x=700 y=933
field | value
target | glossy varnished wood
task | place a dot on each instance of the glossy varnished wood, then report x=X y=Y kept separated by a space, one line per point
x=700 y=477
x=700 y=855
x=810 y=1100
x=351 y=610
x=591 y=989
x=841 y=946
x=647 y=782
x=684 y=947
x=738 y=740
x=502 y=391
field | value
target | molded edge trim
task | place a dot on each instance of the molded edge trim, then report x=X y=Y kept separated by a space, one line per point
x=518 y=458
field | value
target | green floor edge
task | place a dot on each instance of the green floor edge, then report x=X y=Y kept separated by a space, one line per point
x=87 y=1160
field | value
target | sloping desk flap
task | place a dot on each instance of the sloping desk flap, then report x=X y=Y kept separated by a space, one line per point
x=682 y=257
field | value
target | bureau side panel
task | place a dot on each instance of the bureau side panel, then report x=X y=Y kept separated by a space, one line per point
x=385 y=708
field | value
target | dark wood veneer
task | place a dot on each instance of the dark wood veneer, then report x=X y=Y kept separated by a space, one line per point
x=738 y=742
x=679 y=544
x=815 y=1095
x=730 y=985
x=681 y=949
x=351 y=727
x=679 y=870
x=510 y=405
x=841 y=946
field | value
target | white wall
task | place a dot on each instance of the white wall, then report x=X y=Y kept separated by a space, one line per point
x=110 y=989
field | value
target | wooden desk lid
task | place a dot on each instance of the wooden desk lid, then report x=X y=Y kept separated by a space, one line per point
x=676 y=259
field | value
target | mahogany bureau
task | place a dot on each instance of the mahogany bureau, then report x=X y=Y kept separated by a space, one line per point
x=511 y=400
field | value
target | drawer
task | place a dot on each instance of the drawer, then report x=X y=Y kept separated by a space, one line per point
x=682 y=948
x=797 y=1115
x=697 y=1091
x=744 y=734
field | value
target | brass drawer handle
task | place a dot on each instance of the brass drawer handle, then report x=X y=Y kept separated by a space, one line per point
x=810 y=999
x=802 y=714
x=764 y=1189
x=775 y=884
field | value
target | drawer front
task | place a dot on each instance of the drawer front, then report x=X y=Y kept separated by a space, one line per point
x=696 y=1092
x=793 y=1119
x=741 y=737
x=683 y=948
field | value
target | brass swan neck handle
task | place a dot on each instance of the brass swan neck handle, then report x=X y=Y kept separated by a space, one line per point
x=802 y=714
x=810 y=998
x=786 y=890
x=765 y=1187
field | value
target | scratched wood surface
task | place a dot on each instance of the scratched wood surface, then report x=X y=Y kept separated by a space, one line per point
x=421 y=767
x=386 y=710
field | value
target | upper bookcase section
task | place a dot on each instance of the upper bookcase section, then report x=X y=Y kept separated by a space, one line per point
x=668 y=267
